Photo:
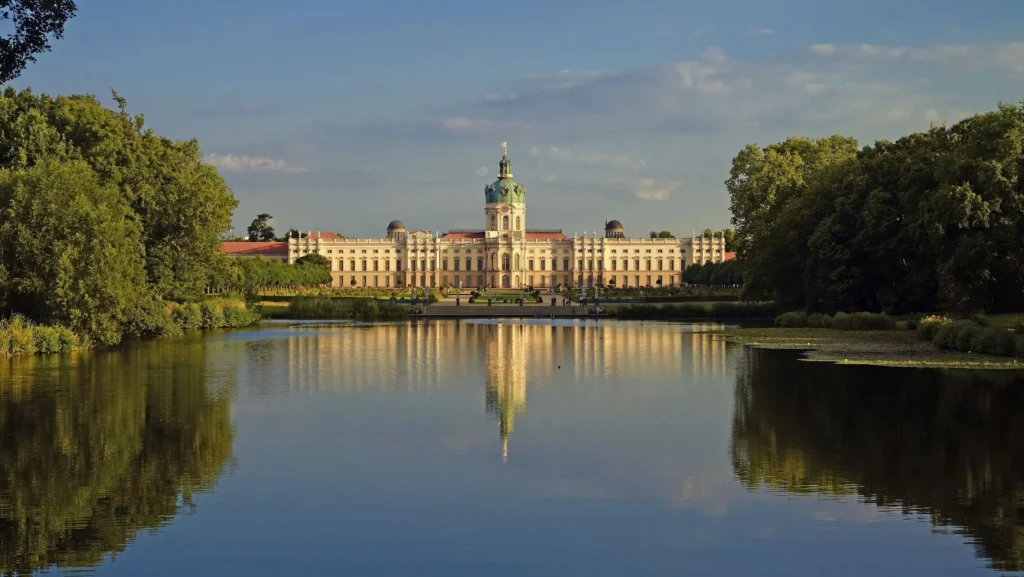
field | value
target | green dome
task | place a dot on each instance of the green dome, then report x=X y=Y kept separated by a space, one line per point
x=505 y=190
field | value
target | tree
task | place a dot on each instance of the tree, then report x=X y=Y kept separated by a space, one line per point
x=260 y=229
x=72 y=253
x=730 y=239
x=315 y=259
x=931 y=221
x=35 y=22
x=708 y=233
x=662 y=234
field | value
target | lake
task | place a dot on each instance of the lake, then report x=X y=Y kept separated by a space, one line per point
x=502 y=448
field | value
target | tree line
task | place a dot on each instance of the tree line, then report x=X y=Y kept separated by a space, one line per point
x=728 y=273
x=102 y=222
x=933 y=221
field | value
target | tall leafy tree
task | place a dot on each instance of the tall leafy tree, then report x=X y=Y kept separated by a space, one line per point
x=260 y=229
x=34 y=23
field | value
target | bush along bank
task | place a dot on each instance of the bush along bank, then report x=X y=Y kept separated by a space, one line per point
x=717 y=310
x=969 y=335
x=20 y=336
x=366 y=309
x=839 y=321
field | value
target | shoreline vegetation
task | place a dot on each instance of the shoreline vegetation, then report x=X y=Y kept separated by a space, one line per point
x=877 y=339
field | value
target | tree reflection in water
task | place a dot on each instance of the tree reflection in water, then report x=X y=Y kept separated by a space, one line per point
x=95 y=449
x=946 y=444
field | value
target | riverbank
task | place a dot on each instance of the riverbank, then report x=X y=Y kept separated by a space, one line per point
x=19 y=336
x=895 y=348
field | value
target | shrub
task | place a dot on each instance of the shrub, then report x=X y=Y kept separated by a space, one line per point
x=929 y=326
x=910 y=324
x=188 y=316
x=66 y=339
x=213 y=318
x=819 y=321
x=872 y=322
x=967 y=336
x=841 y=321
x=981 y=320
x=791 y=320
x=238 y=316
x=19 y=336
x=44 y=340
x=1020 y=328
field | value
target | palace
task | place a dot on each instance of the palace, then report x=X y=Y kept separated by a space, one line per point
x=504 y=254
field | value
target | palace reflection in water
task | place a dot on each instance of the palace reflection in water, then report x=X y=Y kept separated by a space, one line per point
x=391 y=438
x=429 y=356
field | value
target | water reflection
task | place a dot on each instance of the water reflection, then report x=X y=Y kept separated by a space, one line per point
x=943 y=444
x=511 y=354
x=97 y=448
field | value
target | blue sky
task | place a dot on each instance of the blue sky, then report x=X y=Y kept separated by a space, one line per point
x=342 y=116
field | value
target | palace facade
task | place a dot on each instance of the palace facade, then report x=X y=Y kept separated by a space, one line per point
x=504 y=254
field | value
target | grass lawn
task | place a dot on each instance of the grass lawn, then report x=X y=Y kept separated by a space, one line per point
x=888 y=348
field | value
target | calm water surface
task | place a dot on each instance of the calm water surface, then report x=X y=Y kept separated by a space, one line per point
x=502 y=448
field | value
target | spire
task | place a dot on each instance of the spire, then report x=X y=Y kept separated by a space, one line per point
x=505 y=166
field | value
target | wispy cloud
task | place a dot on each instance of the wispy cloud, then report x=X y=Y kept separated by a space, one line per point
x=761 y=32
x=614 y=161
x=482 y=171
x=232 y=163
x=1008 y=55
x=653 y=189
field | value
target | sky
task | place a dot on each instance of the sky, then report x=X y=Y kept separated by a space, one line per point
x=342 y=116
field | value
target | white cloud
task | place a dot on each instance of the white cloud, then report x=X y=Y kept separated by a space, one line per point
x=232 y=163
x=614 y=161
x=1008 y=55
x=482 y=171
x=823 y=49
x=653 y=189
x=761 y=31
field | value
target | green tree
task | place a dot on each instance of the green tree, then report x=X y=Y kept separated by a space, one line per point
x=730 y=239
x=662 y=234
x=708 y=233
x=72 y=254
x=260 y=229
x=34 y=23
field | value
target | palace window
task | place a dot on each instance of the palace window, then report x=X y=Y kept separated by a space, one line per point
x=672 y=264
x=494 y=223
x=518 y=223
x=398 y=265
x=517 y=263
x=352 y=265
x=387 y=265
x=542 y=263
x=565 y=264
x=529 y=264
x=648 y=267
x=613 y=264
x=661 y=265
x=444 y=265
x=458 y=261
x=504 y=223
x=506 y=262
x=364 y=268
x=554 y=264
x=479 y=266
x=376 y=265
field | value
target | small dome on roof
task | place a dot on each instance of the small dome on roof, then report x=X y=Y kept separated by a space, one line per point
x=613 y=225
x=396 y=225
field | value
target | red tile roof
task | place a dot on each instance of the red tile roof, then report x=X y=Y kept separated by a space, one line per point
x=530 y=235
x=277 y=249
x=323 y=236
x=729 y=256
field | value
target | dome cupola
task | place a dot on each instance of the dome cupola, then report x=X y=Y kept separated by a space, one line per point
x=613 y=229
x=505 y=189
x=396 y=229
